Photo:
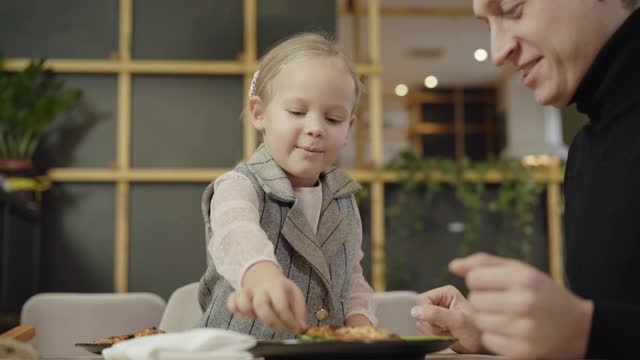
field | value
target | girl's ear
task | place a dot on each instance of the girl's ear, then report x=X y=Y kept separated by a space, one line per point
x=256 y=111
x=351 y=123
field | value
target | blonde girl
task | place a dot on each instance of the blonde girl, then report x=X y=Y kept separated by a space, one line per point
x=284 y=232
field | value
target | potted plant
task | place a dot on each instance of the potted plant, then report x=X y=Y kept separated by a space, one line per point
x=30 y=101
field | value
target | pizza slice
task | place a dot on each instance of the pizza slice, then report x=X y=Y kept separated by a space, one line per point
x=348 y=333
x=118 y=338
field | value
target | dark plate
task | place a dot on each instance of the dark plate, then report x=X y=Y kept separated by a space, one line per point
x=414 y=347
x=93 y=348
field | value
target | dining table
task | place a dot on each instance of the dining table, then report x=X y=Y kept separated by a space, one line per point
x=443 y=355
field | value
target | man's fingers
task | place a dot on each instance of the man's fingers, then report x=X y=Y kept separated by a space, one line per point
x=263 y=308
x=462 y=266
x=504 y=325
x=513 y=302
x=503 y=277
x=431 y=330
x=442 y=296
x=436 y=315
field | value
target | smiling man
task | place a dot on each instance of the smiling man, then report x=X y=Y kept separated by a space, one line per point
x=568 y=51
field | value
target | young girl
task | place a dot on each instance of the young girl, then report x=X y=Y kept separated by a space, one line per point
x=283 y=228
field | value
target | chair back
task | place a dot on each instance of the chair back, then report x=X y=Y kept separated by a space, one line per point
x=393 y=310
x=63 y=319
x=183 y=310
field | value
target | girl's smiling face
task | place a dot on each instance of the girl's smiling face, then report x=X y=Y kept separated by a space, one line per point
x=308 y=116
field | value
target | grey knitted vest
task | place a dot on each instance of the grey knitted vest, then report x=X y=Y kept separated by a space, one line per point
x=321 y=265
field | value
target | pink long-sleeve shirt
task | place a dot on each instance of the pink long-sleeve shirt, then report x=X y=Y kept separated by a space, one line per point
x=239 y=242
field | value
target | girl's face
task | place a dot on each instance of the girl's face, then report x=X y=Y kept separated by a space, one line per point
x=308 y=117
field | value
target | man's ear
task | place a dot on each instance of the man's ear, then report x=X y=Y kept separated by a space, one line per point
x=256 y=112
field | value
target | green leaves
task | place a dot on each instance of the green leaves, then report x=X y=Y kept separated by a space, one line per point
x=30 y=101
x=516 y=199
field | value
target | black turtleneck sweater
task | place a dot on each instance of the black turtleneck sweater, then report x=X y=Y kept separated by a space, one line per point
x=602 y=196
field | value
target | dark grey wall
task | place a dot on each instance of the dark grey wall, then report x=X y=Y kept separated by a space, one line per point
x=177 y=121
x=59 y=29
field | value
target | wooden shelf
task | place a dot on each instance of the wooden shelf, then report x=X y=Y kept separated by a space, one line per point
x=159 y=67
x=436 y=128
x=203 y=175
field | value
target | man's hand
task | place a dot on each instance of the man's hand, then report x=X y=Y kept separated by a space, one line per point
x=445 y=312
x=267 y=295
x=521 y=312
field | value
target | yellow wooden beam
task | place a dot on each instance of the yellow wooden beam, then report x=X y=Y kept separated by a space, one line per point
x=360 y=128
x=447 y=98
x=554 y=224
x=121 y=250
x=369 y=69
x=250 y=136
x=376 y=134
x=540 y=175
x=378 y=260
x=430 y=128
x=125 y=30
x=413 y=11
x=136 y=66
x=135 y=175
x=177 y=67
x=198 y=175
x=123 y=141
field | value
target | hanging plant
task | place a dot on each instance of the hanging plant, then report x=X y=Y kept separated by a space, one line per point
x=516 y=200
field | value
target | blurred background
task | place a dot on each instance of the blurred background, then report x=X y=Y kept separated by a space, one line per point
x=145 y=110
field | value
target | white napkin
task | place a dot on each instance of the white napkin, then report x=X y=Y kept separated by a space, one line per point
x=11 y=349
x=204 y=343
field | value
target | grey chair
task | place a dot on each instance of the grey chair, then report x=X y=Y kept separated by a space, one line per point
x=182 y=309
x=393 y=309
x=63 y=319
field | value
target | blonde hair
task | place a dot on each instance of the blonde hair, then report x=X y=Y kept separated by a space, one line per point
x=296 y=47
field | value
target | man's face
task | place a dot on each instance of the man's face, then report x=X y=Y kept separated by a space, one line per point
x=551 y=42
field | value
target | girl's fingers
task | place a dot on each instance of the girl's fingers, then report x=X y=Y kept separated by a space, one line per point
x=299 y=307
x=283 y=309
x=231 y=302
x=264 y=311
x=244 y=303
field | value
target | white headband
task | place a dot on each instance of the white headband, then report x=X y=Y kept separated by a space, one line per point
x=252 y=89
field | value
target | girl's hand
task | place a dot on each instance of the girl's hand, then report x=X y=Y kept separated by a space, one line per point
x=267 y=295
x=357 y=320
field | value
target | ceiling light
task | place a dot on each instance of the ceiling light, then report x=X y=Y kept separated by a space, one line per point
x=480 y=55
x=431 y=81
x=402 y=90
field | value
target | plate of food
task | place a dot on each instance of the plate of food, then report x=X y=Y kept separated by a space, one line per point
x=97 y=346
x=352 y=342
